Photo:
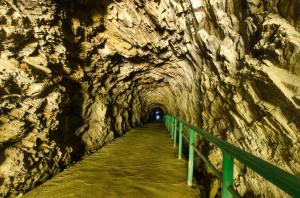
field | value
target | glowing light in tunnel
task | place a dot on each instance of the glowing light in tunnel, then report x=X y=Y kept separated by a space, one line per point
x=157 y=117
x=157 y=114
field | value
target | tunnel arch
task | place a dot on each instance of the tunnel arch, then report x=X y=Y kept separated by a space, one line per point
x=157 y=105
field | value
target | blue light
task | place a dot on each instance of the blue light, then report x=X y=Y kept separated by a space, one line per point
x=157 y=117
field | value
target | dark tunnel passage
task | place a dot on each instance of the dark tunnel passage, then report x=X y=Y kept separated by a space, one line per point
x=157 y=114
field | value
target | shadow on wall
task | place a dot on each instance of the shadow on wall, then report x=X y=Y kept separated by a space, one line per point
x=71 y=120
x=84 y=10
x=291 y=11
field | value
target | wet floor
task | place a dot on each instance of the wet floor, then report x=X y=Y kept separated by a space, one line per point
x=140 y=164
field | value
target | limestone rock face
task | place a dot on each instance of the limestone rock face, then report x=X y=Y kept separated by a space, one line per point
x=250 y=82
x=31 y=96
x=75 y=74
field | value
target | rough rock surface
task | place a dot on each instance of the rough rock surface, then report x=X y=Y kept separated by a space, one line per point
x=76 y=74
x=250 y=82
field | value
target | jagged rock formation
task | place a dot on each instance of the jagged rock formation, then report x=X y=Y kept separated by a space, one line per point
x=250 y=81
x=76 y=74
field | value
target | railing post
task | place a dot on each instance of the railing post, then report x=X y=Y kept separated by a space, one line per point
x=191 y=159
x=172 y=129
x=168 y=123
x=171 y=125
x=227 y=175
x=180 y=140
x=175 y=133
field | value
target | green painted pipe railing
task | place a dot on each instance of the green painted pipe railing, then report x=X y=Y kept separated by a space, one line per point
x=282 y=179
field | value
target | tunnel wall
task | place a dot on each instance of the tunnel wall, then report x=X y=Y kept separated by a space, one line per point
x=250 y=83
x=74 y=75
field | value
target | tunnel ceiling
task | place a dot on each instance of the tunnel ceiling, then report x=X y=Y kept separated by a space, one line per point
x=74 y=75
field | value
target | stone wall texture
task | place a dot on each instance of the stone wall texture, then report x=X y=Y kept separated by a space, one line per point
x=75 y=74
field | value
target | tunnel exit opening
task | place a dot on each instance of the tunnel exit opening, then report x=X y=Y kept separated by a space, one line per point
x=156 y=114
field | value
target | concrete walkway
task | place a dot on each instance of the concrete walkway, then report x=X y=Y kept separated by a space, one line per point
x=140 y=164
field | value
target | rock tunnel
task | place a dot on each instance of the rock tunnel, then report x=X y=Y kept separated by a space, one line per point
x=77 y=74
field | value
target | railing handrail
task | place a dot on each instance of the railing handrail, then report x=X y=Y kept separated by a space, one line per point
x=284 y=180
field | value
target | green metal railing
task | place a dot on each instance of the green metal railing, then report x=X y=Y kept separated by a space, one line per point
x=282 y=179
